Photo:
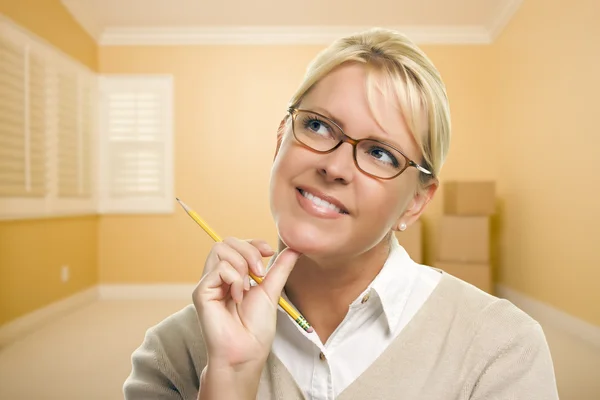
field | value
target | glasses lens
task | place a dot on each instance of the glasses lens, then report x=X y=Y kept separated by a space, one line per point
x=315 y=131
x=379 y=159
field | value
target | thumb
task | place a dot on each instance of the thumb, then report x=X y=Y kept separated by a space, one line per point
x=277 y=275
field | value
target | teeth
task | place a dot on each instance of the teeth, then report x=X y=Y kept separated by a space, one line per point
x=320 y=202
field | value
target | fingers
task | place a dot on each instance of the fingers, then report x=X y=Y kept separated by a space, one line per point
x=239 y=256
x=278 y=274
x=262 y=246
x=224 y=252
x=211 y=285
x=247 y=255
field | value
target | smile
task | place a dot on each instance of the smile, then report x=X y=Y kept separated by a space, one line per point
x=322 y=203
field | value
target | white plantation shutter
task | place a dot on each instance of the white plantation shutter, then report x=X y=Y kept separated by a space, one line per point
x=38 y=124
x=87 y=126
x=74 y=136
x=46 y=142
x=136 y=144
x=21 y=121
x=13 y=174
x=69 y=154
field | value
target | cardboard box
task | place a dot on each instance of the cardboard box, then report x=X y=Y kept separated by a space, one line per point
x=479 y=275
x=469 y=198
x=464 y=239
x=412 y=241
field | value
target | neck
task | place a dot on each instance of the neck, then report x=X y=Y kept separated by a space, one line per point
x=333 y=282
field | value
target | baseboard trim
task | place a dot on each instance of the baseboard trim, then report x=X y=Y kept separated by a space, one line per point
x=24 y=325
x=146 y=291
x=546 y=314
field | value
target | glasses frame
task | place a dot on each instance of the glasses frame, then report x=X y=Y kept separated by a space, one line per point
x=293 y=112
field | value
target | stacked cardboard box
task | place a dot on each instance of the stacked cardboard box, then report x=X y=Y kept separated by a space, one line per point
x=412 y=241
x=464 y=241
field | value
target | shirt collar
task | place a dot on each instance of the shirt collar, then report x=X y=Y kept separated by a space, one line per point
x=393 y=285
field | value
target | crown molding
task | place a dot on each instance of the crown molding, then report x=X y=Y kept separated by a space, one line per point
x=243 y=35
x=503 y=16
x=265 y=35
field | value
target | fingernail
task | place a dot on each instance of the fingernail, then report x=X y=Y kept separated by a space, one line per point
x=261 y=268
x=246 y=283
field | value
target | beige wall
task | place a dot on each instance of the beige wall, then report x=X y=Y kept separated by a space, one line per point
x=32 y=252
x=31 y=255
x=228 y=103
x=546 y=110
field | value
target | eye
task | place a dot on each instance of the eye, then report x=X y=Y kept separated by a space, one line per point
x=314 y=125
x=384 y=156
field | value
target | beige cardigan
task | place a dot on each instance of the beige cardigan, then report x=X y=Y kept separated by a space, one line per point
x=462 y=344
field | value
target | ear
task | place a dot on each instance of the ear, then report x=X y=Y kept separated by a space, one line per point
x=280 y=132
x=421 y=198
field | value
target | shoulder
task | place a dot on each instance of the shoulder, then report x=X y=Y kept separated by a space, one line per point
x=506 y=348
x=467 y=311
x=479 y=321
x=496 y=333
x=170 y=358
x=479 y=307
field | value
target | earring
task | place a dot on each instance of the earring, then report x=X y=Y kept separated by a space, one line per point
x=403 y=226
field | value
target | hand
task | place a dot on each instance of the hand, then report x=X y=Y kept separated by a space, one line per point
x=238 y=321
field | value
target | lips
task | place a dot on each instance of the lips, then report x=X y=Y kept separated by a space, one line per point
x=323 y=200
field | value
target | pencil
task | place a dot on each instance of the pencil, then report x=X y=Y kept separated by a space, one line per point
x=300 y=320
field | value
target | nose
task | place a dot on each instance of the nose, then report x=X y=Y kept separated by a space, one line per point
x=338 y=166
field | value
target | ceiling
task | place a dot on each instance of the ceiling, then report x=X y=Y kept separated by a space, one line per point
x=306 y=21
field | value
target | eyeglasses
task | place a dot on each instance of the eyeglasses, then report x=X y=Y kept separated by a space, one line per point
x=372 y=157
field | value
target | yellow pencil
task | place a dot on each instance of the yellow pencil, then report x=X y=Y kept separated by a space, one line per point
x=300 y=320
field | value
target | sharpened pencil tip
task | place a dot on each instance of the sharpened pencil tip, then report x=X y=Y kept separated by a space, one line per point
x=185 y=207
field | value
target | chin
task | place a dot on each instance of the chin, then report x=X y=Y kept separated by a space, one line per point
x=306 y=238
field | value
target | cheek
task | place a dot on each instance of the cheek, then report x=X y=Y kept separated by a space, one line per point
x=285 y=167
x=382 y=202
x=280 y=168
x=292 y=160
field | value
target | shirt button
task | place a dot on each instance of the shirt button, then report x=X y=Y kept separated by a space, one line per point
x=365 y=298
x=322 y=356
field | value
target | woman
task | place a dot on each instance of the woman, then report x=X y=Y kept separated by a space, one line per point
x=357 y=158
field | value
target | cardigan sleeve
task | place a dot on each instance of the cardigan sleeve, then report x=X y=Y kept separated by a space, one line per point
x=166 y=365
x=148 y=378
x=522 y=370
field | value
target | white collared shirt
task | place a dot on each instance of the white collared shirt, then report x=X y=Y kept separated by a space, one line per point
x=374 y=319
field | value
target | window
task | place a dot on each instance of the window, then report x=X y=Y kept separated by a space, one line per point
x=46 y=135
x=136 y=172
x=75 y=143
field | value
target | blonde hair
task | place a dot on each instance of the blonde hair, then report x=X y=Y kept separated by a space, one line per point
x=407 y=73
